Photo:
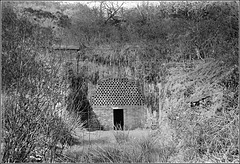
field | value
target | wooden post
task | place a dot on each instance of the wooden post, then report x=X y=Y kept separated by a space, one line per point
x=78 y=58
x=161 y=101
x=159 y=108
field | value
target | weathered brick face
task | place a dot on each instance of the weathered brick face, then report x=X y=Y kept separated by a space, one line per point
x=104 y=116
x=134 y=116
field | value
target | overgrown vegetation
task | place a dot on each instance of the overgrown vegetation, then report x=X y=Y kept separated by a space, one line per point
x=121 y=136
x=184 y=53
x=32 y=87
x=148 y=149
x=201 y=112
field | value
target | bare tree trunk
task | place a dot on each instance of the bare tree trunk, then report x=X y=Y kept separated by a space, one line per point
x=78 y=58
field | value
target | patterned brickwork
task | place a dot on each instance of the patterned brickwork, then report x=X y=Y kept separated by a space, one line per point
x=118 y=92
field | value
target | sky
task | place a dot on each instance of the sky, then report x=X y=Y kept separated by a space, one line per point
x=127 y=4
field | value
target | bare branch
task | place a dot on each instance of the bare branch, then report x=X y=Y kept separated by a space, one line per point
x=112 y=11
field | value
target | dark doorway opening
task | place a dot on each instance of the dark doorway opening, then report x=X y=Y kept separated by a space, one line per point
x=118 y=119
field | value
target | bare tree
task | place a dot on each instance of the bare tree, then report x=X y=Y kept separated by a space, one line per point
x=112 y=9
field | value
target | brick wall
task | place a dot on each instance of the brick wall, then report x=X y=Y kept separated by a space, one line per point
x=105 y=116
x=134 y=116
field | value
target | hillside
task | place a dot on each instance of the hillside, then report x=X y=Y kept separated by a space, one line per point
x=183 y=56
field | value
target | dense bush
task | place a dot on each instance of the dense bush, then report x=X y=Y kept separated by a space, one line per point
x=77 y=99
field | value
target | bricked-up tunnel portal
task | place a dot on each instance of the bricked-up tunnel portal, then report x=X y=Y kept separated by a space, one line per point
x=119 y=102
x=118 y=120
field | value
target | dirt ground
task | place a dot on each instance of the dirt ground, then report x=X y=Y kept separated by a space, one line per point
x=109 y=135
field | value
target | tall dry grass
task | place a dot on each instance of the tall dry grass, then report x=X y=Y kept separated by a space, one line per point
x=129 y=150
x=202 y=109
x=31 y=124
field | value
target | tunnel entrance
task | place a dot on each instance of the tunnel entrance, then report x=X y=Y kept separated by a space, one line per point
x=118 y=119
